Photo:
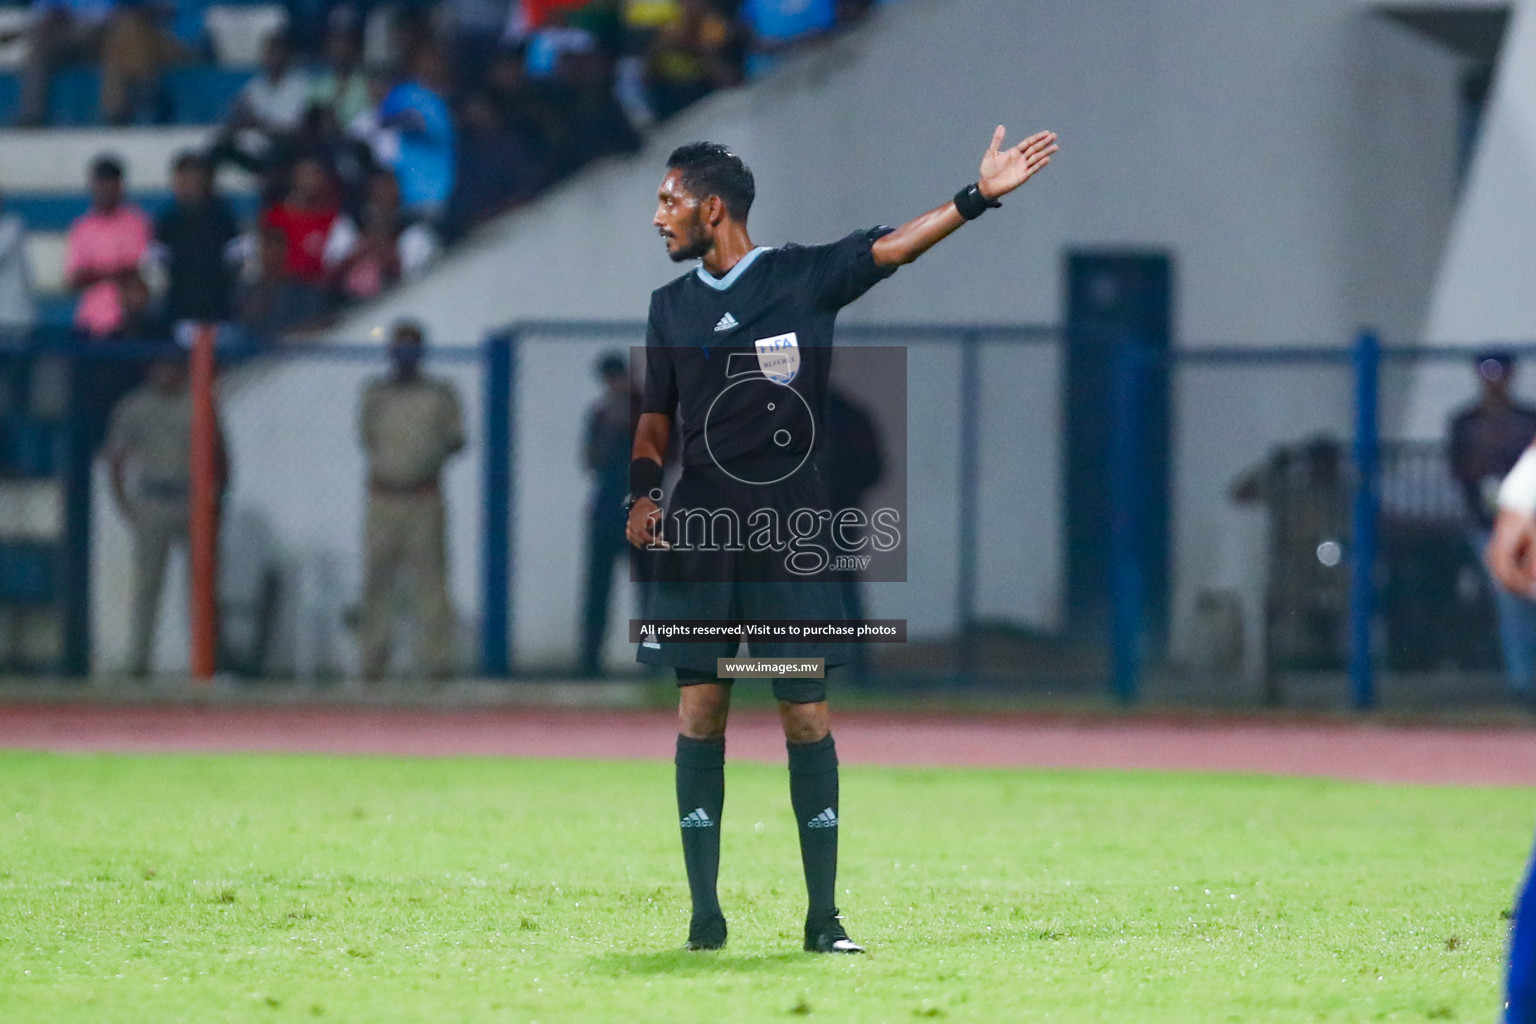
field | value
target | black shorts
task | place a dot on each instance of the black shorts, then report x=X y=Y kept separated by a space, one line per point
x=725 y=586
x=791 y=691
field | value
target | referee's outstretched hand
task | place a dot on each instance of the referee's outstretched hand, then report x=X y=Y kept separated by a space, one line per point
x=1511 y=552
x=1003 y=170
x=644 y=527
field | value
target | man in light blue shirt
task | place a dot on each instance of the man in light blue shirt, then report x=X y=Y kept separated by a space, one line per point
x=418 y=110
x=775 y=22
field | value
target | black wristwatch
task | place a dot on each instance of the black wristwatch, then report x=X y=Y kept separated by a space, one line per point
x=632 y=497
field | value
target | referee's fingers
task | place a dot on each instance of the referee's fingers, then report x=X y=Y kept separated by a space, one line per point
x=1036 y=142
x=646 y=535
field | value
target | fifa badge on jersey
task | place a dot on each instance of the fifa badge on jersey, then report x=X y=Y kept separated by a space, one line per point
x=779 y=357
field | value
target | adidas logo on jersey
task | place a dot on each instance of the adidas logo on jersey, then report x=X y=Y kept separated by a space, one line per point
x=727 y=323
x=826 y=819
x=697 y=819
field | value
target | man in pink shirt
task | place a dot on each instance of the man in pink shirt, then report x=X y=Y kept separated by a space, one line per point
x=106 y=245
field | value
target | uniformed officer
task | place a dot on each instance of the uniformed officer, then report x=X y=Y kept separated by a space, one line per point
x=149 y=452
x=605 y=450
x=1486 y=440
x=410 y=425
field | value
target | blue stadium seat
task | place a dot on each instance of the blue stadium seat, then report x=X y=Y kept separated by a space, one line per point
x=73 y=100
x=197 y=95
x=42 y=211
x=203 y=95
x=72 y=103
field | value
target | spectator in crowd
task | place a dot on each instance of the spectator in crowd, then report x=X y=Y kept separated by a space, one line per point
x=311 y=22
x=305 y=216
x=342 y=88
x=106 y=246
x=270 y=301
x=1486 y=440
x=641 y=20
x=194 y=240
x=18 y=312
x=474 y=29
x=418 y=110
x=410 y=425
x=369 y=129
x=266 y=112
x=605 y=451
x=525 y=109
x=498 y=167
x=149 y=454
x=410 y=28
x=604 y=19
x=692 y=54
x=547 y=45
x=774 y=24
x=350 y=161
x=594 y=125
x=140 y=322
x=379 y=248
x=125 y=39
x=531 y=15
x=646 y=16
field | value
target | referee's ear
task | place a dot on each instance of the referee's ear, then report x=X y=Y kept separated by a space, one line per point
x=714 y=210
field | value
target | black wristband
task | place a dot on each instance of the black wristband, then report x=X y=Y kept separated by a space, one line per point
x=645 y=479
x=972 y=204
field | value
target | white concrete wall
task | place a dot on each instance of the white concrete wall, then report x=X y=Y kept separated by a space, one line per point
x=1484 y=291
x=1297 y=160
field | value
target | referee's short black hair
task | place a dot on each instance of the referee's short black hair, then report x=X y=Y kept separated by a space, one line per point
x=710 y=169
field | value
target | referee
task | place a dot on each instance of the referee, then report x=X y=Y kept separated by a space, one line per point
x=739 y=351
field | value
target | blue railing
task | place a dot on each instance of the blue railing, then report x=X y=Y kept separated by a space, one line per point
x=1134 y=364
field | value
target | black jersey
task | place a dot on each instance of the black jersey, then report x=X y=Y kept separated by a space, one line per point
x=743 y=360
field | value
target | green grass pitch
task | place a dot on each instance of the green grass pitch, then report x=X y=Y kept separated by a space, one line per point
x=286 y=888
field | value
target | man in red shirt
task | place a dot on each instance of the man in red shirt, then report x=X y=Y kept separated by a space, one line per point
x=535 y=14
x=304 y=216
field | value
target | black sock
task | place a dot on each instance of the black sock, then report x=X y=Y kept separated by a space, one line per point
x=813 y=793
x=700 y=801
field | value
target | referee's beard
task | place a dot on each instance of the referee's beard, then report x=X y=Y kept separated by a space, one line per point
x=695 y=245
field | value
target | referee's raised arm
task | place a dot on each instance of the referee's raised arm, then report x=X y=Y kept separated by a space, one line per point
x=1002 y=171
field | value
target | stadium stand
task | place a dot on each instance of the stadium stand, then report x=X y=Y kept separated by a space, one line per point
x=562 y=84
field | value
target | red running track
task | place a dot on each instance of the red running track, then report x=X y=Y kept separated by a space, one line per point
x=1377 y=752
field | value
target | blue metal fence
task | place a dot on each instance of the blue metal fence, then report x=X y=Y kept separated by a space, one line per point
x=1131 y=650
x=1127 y=643
x=501 y=481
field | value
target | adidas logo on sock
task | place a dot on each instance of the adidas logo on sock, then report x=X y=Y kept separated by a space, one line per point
x=697 y=819
x=826 y=819
x=727 y=323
